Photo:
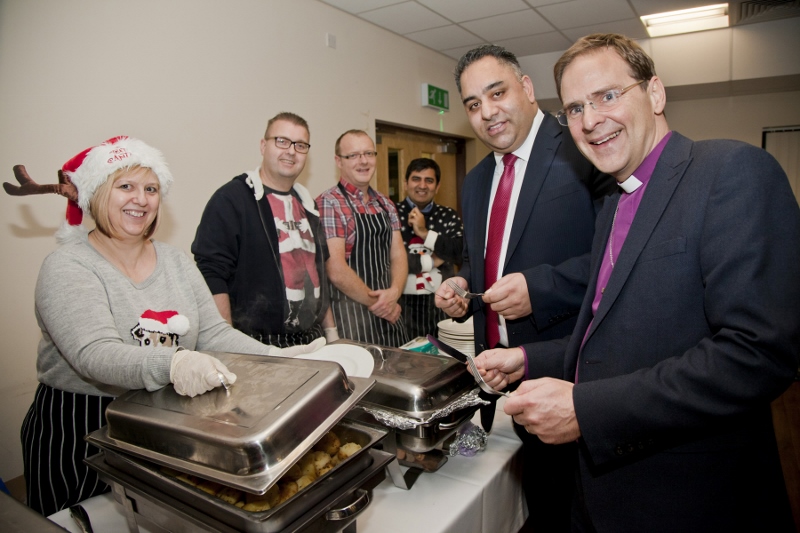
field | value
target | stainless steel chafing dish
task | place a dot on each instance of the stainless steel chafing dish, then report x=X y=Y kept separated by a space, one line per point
x=246 y=438
x=420 y=396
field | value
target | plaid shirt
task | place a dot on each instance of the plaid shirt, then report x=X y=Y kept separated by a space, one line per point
x=336 y=216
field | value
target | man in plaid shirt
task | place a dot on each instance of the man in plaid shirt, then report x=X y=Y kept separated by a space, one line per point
x=367 y=266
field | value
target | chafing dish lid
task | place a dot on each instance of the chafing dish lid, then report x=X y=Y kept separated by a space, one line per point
x=247 y=437
x=416 y=384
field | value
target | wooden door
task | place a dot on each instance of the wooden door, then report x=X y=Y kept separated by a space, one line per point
x=398 y=147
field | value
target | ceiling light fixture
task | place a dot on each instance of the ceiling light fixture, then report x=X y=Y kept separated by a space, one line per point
x=687 y=20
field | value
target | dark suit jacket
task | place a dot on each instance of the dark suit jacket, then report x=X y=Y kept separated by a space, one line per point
x=550 y=239
x=697 y=332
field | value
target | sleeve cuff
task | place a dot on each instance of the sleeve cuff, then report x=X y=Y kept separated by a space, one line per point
x=430 y=240
x=525 y=359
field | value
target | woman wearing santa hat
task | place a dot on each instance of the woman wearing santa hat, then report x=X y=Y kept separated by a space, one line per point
x=117 y=311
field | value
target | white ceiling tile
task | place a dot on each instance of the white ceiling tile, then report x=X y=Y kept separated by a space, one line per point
x=632 y=28
x=359 y=6
x=536 y=44
x=651 y=7
x=508 y=26
x=461 y=10
x=540 y=3
x=579 y=13
x=527 y=27
x=445 y=38
x=405 y=18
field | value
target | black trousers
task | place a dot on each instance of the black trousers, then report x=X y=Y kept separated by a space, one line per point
x=548 y=481
x=53 y=448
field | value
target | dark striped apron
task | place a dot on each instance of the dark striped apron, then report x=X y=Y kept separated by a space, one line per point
x=421 y=315
x=53 y=448
x=370 y=258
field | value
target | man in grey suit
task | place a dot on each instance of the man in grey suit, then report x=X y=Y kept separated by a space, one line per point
x=690 y=327
x=529 y=211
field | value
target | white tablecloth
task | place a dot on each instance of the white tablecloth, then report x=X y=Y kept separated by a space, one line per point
x=480 y=494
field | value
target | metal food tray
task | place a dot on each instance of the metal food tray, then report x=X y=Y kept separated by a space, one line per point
x=172 y=502
x=245 y=438
x=414 y=384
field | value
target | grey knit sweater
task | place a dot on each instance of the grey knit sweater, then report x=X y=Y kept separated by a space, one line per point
x=87 y=309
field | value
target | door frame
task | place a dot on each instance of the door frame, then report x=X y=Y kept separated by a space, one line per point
x=459 y=141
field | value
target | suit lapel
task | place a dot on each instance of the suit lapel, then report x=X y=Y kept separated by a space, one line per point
x=479 y=222
x=665 y=179
x=545 y=145
x=602 y=230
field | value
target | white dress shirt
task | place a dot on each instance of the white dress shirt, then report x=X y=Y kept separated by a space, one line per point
x=523 y=154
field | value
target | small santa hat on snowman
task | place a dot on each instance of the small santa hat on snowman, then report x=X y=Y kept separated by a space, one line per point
x=417 y=246
x=164 y=322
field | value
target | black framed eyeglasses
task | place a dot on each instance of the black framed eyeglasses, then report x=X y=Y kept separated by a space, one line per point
x=283 y=143
x=603 y=102
x=368 y=155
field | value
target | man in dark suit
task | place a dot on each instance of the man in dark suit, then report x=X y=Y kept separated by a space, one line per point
x=690 y=327
x=529 y=210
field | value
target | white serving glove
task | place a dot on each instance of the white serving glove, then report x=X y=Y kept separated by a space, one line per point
x=194 y=373
x=300 y=349
x=331 y=334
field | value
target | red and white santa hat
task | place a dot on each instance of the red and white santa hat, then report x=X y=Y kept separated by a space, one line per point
x=164 y=322
x=417 y=245
x=91 y=168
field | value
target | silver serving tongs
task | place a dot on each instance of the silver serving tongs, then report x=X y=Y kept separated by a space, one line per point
x=469 y=361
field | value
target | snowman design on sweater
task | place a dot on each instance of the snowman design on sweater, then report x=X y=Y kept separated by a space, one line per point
x=160 y=328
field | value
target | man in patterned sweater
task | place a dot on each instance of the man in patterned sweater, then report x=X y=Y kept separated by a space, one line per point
x=433 y=236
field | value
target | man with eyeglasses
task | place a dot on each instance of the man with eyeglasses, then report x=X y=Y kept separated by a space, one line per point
x=367 y=265
x=262 y=250
x=529 y=210
x=690 y=327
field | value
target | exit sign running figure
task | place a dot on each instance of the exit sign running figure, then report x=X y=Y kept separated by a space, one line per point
x=435 y=97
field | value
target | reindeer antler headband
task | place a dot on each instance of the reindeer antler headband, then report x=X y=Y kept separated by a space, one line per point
x=80 y=177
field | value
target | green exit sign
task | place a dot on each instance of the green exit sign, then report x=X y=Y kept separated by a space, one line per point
x=435 y=97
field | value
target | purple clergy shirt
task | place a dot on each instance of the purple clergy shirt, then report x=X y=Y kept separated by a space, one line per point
x=629 y=202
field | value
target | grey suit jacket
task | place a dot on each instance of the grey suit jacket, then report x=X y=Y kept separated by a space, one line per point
x=697 y=332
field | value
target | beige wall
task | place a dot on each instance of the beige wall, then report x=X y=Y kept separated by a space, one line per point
x=734 y=117
x=196 y=78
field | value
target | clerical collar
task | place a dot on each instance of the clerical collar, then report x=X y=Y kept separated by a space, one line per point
x=630 y=184
x=427 y=209
x=642 y=174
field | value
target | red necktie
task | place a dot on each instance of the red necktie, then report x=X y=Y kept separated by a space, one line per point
x=494 y=242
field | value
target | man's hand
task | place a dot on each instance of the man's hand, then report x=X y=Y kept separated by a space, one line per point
x=545 y=407
x=384 y=307
x=509 y=297
x=447 y=301
x=501 y=366
x=394 y=316
x=417 y=222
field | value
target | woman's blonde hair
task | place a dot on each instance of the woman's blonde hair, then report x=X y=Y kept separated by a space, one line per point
x=98 y=204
